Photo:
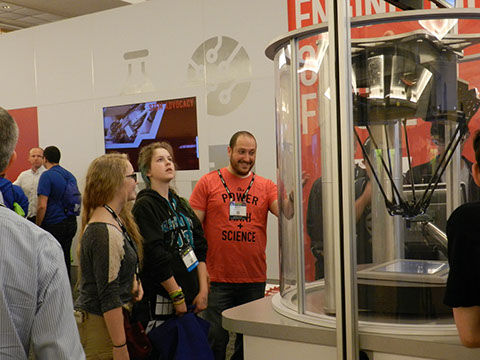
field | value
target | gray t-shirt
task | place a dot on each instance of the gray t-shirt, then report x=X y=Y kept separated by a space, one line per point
x=107 y=267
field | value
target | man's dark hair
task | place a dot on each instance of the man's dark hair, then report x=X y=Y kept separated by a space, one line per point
x=476 y=146
x=233 y=139
x=52 y=154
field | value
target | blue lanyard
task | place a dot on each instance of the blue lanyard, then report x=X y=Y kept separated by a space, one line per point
x=184 y=219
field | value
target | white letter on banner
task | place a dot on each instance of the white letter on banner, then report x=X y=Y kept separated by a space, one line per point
x=378 y=6
x=318 y=12
x=310 y=59
x=358 y=8
x=298 y=12
x=305 y=113
x=471 y=3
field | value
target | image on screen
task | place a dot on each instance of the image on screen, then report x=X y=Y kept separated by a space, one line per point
x=127 y=128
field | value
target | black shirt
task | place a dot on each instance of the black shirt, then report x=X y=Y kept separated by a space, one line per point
x=463 y=232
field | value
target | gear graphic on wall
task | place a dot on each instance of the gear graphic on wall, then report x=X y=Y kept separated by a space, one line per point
x=225 y=67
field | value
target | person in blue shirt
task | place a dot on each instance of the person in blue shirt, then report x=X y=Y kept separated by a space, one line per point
x=51 y=214
x=13 y=196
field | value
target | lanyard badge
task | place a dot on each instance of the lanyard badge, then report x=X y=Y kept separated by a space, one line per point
x=238 y=210
x=186 y=251
x=189 y=258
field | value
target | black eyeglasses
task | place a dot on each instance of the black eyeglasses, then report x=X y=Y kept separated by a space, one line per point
x=132 y=176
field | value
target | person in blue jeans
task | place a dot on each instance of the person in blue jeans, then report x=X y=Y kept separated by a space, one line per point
x=51 y=214
x=233 y=204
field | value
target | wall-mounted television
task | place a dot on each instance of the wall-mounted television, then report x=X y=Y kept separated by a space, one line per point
x=129 y=127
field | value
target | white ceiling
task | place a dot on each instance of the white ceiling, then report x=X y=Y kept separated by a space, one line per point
x=20 y=14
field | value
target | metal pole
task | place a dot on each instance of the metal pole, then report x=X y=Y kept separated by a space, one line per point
x=297 y=166
x=342 y=118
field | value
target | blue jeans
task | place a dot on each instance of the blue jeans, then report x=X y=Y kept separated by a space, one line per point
x=224 y=296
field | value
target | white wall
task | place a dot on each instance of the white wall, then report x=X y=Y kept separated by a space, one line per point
x=71 y=69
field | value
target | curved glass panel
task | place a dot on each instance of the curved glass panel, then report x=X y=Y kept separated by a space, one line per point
x=415 y=104
x=313 y=90
x=286 y=174
x=413 y=113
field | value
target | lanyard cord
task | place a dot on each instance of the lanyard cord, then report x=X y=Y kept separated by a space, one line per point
x=125 y=234
x=185 y=241
x=226 y=187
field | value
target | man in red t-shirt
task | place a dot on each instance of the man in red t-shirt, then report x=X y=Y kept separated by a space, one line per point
x=233 y=204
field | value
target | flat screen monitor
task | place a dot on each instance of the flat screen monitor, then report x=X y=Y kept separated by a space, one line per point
x=129 y=127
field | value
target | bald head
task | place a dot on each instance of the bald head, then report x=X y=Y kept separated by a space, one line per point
x=35 y=158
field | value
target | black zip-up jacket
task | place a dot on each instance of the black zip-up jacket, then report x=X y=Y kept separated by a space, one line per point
x=160 y=226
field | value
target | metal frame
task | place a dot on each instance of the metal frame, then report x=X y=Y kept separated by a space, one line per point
x=297 y=164
x=338 y=27
x=341 y=115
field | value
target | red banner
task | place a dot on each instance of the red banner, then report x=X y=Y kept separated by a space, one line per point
x=303 y=13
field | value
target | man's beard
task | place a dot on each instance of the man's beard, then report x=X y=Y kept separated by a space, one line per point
x=237 y=167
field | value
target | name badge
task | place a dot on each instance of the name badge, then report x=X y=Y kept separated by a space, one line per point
x=238 y=210
x=189 y=258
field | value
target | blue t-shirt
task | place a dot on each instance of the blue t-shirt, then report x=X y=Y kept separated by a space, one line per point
x=52 y=184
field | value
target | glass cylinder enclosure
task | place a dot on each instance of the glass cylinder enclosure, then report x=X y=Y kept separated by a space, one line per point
x=415 y=102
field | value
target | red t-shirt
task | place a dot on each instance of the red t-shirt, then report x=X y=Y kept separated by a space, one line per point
x=236 y=248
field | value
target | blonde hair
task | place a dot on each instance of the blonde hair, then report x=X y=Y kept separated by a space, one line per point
x=145 y=159
x=105 y=176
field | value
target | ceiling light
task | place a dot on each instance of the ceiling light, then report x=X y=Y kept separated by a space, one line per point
x=6 y=6
x=134 y=1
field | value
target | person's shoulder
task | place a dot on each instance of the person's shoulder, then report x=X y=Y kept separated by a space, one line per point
x=316 y=189
x=264 y=180
x=65 y=172
x=15 y=227
x=24 y=174
x=18 y=189
x=94 y=230
x=468 y=213
x=4 y=181
x=213 y=174
x=208 y=178
x=145 y=197
x=48 y=174
x=317 y=182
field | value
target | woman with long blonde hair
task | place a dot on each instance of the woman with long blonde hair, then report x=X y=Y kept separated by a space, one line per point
x=110 y=253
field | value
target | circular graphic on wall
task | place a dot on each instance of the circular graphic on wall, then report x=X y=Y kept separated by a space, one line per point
x=225 y=67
